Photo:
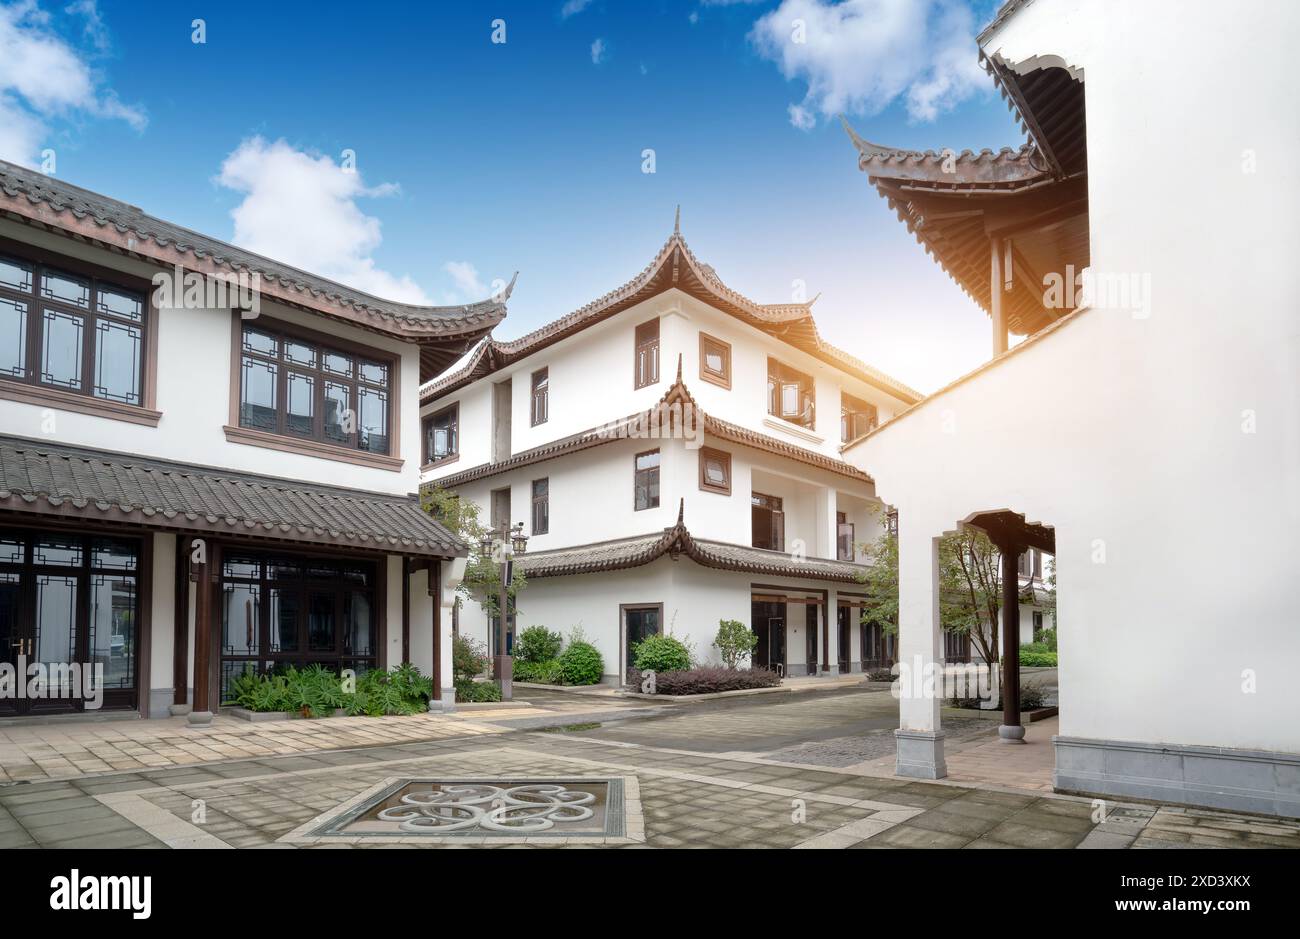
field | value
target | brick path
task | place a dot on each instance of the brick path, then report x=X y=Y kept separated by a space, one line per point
x=707 y=777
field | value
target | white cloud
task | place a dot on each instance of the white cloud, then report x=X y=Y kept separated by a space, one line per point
x=859 y=56
x=302 y=210
x=801 y=117
x=44 y=78
x=468 y=284
x=598 y=51
x=573 y=8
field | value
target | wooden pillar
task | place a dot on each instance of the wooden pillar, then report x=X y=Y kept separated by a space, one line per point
x=406 y=611
x=181 y=625
x=201 y=575
x=1011 y=731
x=996 y=288
x=435 y=596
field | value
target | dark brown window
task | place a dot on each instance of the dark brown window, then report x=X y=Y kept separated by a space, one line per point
x=541 y=406
x=541 y=506
x=646 y=484
x=71 y=332
x=647 y=354
x=280 y=610
x=857 y=417
x=715 y=360
x=891 y=522
x=790 y=394
x=769 y=522
x=715 y=470
x=844 y=537
x=300 y=387
x=442 y=435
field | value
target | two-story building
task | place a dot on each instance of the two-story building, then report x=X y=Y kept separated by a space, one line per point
x=672 y=449
x=208 y=461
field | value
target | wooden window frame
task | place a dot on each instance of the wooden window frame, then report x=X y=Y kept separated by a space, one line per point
x=780 y=380
x=30 y=391
x=776 y=507
x=535 y=501
x=637 y=472
x=644 y=378
x=846 y=429
x=313 y=446
x=544 y=397
x=724 y=380
x=427 y=456
x=842 y=522
x=711 y=453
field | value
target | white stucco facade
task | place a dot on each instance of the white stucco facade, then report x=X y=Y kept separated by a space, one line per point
x=591 y=497
x=189 y=361
x=1178 y=626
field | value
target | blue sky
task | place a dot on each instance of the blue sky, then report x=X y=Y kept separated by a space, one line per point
x=475 y=159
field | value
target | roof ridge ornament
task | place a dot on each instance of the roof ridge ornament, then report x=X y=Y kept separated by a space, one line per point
x=677 y=221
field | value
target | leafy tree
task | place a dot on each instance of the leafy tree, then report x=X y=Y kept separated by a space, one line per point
x=482 y=580
x=970 y=587
x=735 y=642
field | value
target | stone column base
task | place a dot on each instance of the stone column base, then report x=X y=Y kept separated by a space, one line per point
x=1011 y=733
x=447 y=705
x=178 y=710
x=919 y=754
x=200 y=717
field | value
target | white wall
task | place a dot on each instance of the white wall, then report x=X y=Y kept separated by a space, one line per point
x=1174 y=525
x=591 y=382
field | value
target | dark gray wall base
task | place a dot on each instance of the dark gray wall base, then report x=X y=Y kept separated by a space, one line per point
x=1261 y=781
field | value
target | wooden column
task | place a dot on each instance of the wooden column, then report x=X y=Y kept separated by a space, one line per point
x=996 y=289
x=181 y=625
x=435 y=595
x=406 y=610
x=201 y=575
x=1011 y=731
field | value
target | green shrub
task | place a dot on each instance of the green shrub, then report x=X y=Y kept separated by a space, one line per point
x=469 y=658
x=661 y=654
x=542 y=673
x=881 y=674
x=1047 y=639
x=735 y=642
x=1033 y=659
x=581 y=664
x=537 y=644
x=471 y=692
x=315 y=691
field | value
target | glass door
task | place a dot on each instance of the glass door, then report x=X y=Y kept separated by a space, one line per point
x=68 y=619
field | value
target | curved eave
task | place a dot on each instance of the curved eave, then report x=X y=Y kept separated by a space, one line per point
x=674 y=266
x=39 y=201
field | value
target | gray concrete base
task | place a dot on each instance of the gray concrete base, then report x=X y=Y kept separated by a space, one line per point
x=199 y=717
x=1261 y=781
x=179 y=710
x=447 y=705
x=1011 y=733
x=919 y=754
x=160 y=700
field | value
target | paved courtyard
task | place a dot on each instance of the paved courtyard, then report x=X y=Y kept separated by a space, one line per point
x=772 y=772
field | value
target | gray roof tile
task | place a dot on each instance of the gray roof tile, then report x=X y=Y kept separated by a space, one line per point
x=53 y=479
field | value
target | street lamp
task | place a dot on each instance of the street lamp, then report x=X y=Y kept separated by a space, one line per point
x=512 y=541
